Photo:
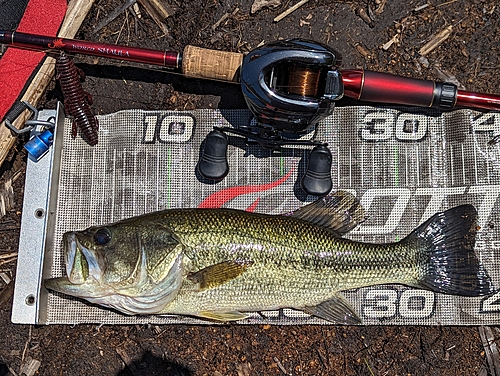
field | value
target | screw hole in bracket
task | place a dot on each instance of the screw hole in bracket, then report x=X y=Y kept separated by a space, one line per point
x=30 y=300
x=39 y=213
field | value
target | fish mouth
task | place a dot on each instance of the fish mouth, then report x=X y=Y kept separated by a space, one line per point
x=82 y=263
x=84 y=269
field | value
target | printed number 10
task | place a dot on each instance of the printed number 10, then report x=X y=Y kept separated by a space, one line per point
x=176 y=128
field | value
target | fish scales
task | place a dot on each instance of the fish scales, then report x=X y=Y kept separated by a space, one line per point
x=292 y=260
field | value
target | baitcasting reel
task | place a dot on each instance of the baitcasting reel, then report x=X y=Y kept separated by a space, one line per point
x=288 y=86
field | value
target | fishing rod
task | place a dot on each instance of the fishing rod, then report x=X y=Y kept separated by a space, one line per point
x=199 y=62
x=288 y=85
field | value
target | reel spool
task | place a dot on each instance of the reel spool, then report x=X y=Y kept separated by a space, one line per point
x=291 y=85
x=288 y=86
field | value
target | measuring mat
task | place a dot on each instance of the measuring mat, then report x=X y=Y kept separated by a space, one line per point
x=403 y=164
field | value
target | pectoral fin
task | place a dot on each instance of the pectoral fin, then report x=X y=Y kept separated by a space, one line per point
x=337 y=310
x=222 y=316
x=218 y=274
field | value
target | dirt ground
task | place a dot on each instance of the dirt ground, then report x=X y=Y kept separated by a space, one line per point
x=470 y=56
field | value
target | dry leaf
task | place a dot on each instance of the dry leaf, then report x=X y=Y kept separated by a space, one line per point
x=261 y=4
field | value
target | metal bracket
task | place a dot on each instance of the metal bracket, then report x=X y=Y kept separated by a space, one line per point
x=38 y=216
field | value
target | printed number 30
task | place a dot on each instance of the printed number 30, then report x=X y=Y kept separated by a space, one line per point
x=410 y=304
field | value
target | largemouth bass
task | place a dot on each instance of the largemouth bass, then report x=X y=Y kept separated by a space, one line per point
x=220 y=264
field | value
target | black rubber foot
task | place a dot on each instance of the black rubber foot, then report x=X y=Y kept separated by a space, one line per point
x=317 y=180
x=213 y=158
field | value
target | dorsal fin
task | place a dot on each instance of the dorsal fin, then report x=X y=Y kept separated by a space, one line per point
x=339 y=212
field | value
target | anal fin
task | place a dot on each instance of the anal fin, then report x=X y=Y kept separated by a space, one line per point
x=222 y=316
x=336 y=310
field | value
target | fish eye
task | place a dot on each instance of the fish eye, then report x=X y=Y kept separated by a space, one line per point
x=102 y=236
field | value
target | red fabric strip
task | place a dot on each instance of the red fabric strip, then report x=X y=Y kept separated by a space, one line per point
x=16 y=65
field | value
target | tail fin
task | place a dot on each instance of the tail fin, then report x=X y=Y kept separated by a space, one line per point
x=448 y=262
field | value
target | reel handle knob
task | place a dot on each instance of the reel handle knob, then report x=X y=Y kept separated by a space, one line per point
x=317 y=180
x=213 y=163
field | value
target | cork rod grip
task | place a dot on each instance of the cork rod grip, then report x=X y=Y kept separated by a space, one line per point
x=211 y=64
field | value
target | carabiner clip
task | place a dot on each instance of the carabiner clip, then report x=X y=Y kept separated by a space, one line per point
x=17 y=110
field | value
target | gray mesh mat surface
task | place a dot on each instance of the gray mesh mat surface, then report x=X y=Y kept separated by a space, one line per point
x=403 y=164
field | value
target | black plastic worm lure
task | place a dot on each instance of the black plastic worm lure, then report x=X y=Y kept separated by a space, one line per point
x=76 y=101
